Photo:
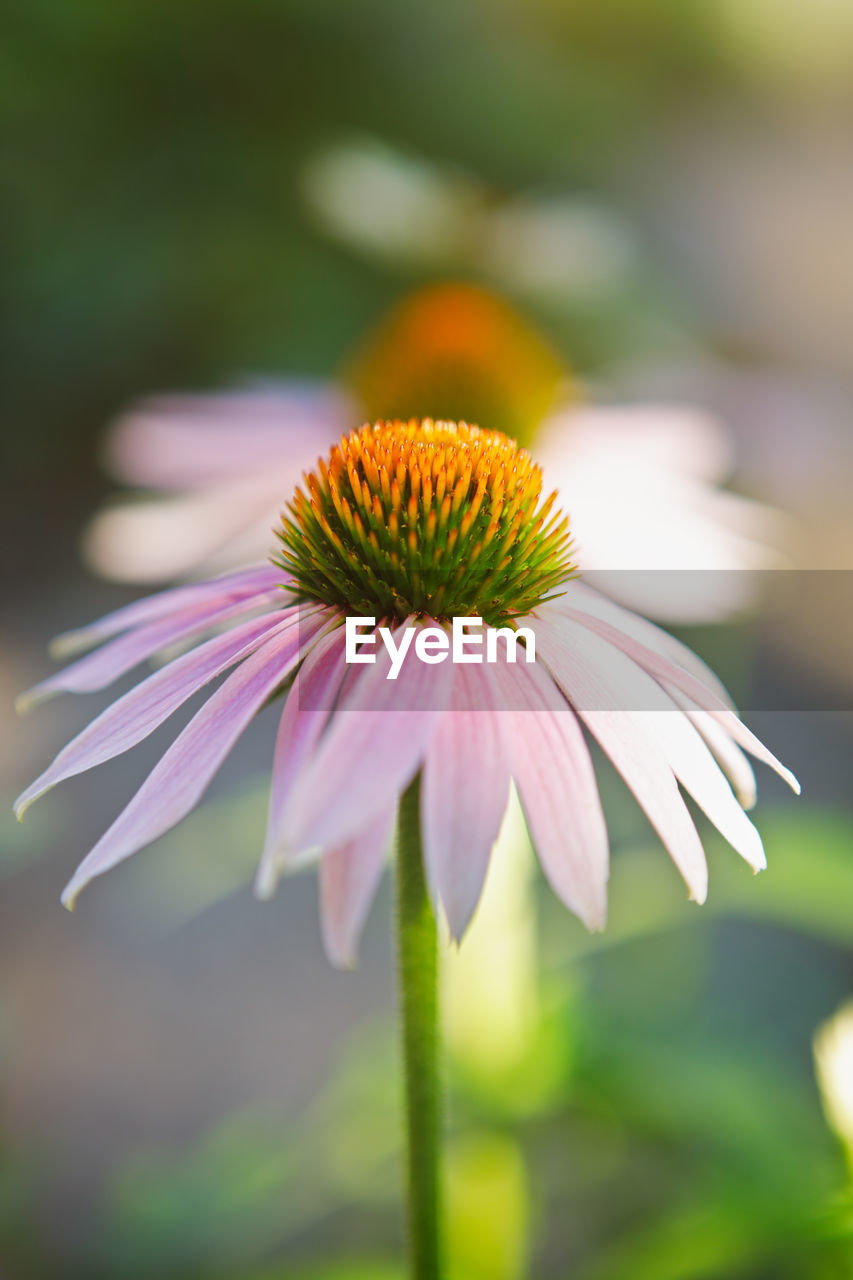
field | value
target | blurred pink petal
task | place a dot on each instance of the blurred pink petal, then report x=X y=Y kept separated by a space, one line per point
x=650 y=527
x=194 y=440
x=658 y=437
x=152 y=540
x=649 y=523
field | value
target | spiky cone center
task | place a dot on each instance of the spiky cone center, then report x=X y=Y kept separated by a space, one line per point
x=440 y=519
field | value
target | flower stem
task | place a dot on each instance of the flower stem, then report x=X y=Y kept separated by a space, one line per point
x=417 y=958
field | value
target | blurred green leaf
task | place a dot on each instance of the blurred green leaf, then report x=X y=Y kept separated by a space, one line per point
x=808 y=884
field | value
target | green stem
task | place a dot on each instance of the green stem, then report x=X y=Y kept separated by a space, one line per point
x=417 y=958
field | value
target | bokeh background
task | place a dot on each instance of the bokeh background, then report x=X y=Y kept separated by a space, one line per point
x=194 y=194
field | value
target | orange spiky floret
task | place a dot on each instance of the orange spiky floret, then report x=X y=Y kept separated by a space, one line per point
x=421 y=517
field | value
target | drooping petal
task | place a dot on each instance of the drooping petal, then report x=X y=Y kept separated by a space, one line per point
x=553 y=772
x=370 y=751
x=138 y=712
x=620 y=625
x=464 y=795
x=668 y=670
x=257 y=580
x=728 y=754
x=698 y=772
x=349 y=877
x=631 y=747
x=179 y=780
x=99 y=669
x=306 y=710
x=681 y=745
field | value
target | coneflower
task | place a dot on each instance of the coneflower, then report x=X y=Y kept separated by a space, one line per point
x=416 y=525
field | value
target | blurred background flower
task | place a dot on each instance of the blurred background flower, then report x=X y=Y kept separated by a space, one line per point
x=640 y=482
x=664 y=190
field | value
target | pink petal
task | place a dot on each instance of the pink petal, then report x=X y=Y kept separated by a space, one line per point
x=669 y=671
x=349 y=877
x=464 y=795
x=305 y=713
x=232 y=586
x=179 y=780
x=553 y=771
x=631 y=746
x=371 y=750
x=101 y=668
x=139 y=712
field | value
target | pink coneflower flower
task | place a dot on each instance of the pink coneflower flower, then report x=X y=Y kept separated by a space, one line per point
x=415 y=524
x=642 y=482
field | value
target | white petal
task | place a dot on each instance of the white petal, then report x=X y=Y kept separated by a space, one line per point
x=647 y=523
x=151 y=539
x=675 y=438
x=731 y=759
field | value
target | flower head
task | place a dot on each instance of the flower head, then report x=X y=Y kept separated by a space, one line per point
x=350 y=740
x=434 y=518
